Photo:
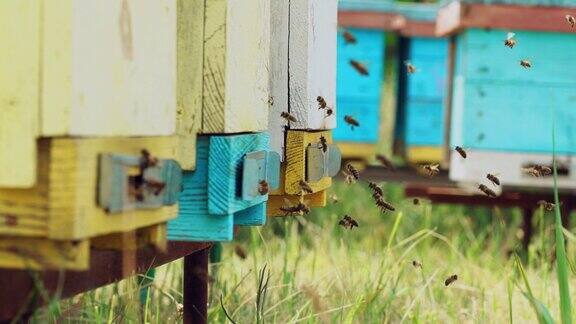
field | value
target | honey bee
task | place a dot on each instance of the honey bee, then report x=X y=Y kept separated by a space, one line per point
x=300 y=208
x=351 y=121
x=348 y=222
x=305 y=187
x=450 y=280
x=495 y=181
x=323 y=144
x=410 y=68
x=263 y=187
x=487 y=191
x=271 y=101
x=334 y=198
x=460 y=151
x=376 y=188
x=571 y=20
x=510 y=41
x=359 y=67
x=349 y=38
x=240 y=251
x=431 y=169
x=353 y=171
x=288 y=117
x=321 y=102
x=384 y=205
x=525 y=64
x=547 y=205
x=538 y=171
x=329 y=112
x=385 y=162
x=416 y=201
x=348 y=178
x=416 y=264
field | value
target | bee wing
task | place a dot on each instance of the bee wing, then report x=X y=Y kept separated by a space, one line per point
x=510 y=35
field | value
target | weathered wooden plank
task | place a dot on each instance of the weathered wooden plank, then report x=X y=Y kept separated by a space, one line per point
x=312 y=64
x=190 y=62
x=19 y=91
x=152 y=236
x=109 y=68
x=41 y=253
x=236 y=66
x=279 y=31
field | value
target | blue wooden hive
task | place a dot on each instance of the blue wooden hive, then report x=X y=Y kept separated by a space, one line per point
x=223 y=190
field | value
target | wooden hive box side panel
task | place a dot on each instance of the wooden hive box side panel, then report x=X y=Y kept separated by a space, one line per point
x=19 y=91
x=296 y=144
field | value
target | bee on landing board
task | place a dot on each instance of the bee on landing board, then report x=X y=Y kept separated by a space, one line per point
x=323 y=144
x=321 y=102
x=288 y=117
x=510 y=41
x=353 y=171
x=495 y=181
x=348 y=222
x=461 y=151
x=329 y=112
x=450 y=280
x=525 y=64
x=410 y=68
x=349 y=38
x=359 y=67
x=385 y=162
x=538 y=171
x=289 y=209
x=305 y=187
x=263 y=187
x=487 y=191
x=431 y=169
x=351 y=121
x=571 y=20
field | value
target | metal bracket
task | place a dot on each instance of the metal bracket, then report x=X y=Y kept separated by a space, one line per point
x=320 y=164
x=125 y=184
x=258 y=166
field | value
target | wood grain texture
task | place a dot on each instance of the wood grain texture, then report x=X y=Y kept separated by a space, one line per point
x=251 y=216
x=151 y=236
x=279 y=31
x=317 y=199
x=62 y=205
x=236 y=66
x=312 y=64
x=19 y=91
x=190 y=63
x=109 y=68
x=296 y=144
x=225 y=163
x=39 y=254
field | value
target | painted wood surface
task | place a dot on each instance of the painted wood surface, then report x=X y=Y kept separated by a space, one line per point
x=501 y=112
x=296 y=144
x=237 y=66
x=360 y=96
x=108 y=68
x=154 y=236
x=424 y=154
x=39 y=254
x=317 y=199
x=359 y=151
x=312 y=64
x=19 y=91
x=508 y=166
x=62 y=205
x=279 y=31
x=190 y=58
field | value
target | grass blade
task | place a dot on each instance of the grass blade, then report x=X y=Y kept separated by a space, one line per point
x=541 y=311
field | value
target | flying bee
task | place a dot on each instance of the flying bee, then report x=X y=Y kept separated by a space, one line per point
x=510 y=41
x=348 y=222
x=450 y=280
x=525 y=64
x=351 y=121
x=305 y=187
x=359 y=67
x=376 y=188
x=487 y=191
x=349 y=38
x=353 y=171
x=300 y=208
x=410 y=68
x=571 y=20
x=240 y=251
x=323 y=144
x=495 y=181
x=263 y=187
x=385 y=162
x=416 y=264
x=348 y=178
x=334 y=198
x=384 y=205
x=288 y=117
x=321 y=102
x=431 y=169
x=416 y=201
x=461 y=151
x=547 y=205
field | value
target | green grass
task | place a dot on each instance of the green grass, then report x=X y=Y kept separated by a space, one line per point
x=321 y=273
